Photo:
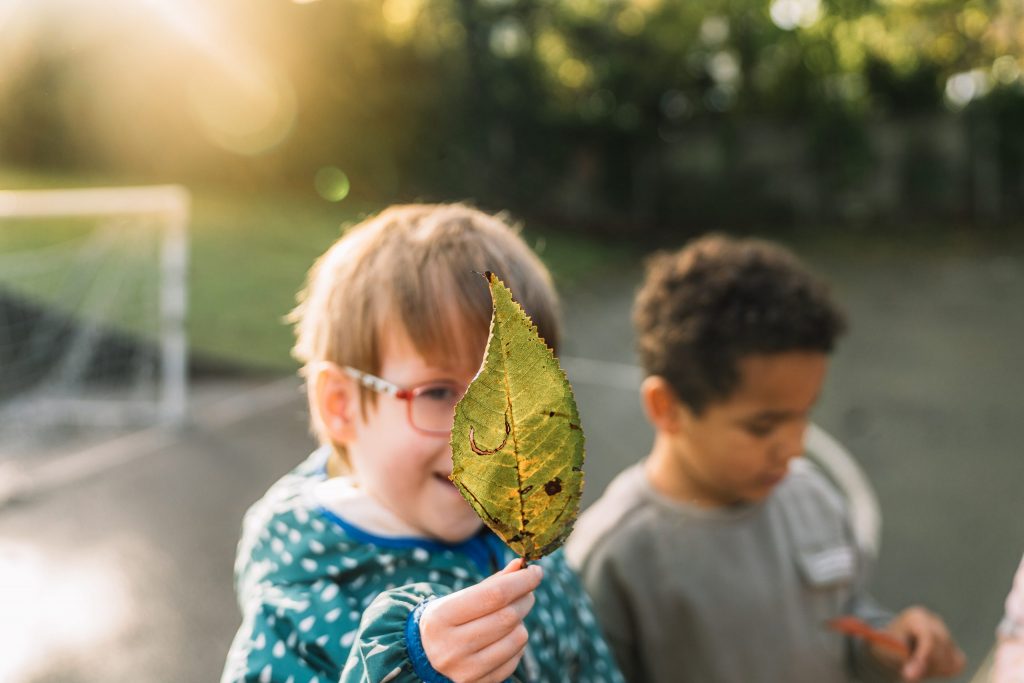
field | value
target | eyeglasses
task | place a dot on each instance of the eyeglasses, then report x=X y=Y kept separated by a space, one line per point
x=430 y=406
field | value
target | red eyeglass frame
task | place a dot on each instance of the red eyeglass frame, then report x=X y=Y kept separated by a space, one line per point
x=382 y=386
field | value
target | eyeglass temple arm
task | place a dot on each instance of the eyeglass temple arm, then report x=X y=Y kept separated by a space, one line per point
x=372 y=382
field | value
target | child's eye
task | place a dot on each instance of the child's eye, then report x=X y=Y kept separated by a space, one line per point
x=759 y=429
x=442 y=393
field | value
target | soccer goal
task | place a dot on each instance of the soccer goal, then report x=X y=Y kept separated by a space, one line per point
x=92 y=307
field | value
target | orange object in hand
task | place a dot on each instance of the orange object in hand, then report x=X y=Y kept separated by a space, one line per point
x=857 y=628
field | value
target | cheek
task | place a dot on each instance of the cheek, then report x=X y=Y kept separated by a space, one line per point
x=390 y=454
x=742 y=454
x=386 y=427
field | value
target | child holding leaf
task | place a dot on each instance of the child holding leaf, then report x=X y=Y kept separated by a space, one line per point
x=723 y=557
x=366 y=563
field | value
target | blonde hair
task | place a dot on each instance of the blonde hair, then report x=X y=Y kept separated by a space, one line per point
x=417 y=265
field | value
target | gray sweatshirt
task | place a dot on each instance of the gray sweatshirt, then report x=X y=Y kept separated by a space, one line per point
x=734 y=595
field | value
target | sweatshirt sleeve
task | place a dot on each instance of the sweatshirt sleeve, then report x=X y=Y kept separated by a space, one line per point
x=827 y=553
x=863 y=606
x=387 y=647
x=863 y=664
x=608 y=591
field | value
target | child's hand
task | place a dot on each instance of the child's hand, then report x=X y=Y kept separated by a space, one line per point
x=477 y=634
x=932 y=650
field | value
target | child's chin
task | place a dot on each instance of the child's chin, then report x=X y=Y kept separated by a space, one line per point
x=758 y=495
x=460 y=531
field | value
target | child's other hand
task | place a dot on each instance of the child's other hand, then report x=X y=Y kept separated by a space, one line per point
x=476 y=635
x=932 y=650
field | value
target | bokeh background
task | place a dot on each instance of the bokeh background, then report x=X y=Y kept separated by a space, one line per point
x=883 y=140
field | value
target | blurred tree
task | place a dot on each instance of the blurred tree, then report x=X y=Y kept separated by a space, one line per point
x=35 y=121
x=613 y=113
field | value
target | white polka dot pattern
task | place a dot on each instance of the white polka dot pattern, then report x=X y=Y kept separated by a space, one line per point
x=306 y=584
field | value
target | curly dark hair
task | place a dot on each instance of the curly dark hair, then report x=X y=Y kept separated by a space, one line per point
x=718 y=299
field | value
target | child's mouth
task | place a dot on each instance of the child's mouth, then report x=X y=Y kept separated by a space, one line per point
x=444 y=479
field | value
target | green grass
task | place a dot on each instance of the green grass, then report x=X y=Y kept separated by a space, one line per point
x=250 y=257
x=249 y=254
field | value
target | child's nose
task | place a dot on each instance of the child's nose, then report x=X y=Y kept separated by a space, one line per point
x=791 y=440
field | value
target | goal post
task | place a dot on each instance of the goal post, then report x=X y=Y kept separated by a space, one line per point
x=108 y=240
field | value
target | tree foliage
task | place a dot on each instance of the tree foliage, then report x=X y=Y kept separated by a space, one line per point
x=568 y=106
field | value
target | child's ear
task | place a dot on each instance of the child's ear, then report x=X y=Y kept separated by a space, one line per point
x=663 y=408
x=337 y=399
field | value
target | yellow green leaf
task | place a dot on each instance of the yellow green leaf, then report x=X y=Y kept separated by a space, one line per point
x=517 y=444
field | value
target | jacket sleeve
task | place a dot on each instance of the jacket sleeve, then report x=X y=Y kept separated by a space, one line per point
x=282 y=638
x=386 y=647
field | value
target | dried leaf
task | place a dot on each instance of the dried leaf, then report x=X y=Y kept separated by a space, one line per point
x=517 y=444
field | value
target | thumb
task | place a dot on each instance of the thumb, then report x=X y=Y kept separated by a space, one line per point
x=515 y=565
x=532 y=573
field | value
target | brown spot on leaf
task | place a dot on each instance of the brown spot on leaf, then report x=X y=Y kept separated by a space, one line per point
x=554 y=486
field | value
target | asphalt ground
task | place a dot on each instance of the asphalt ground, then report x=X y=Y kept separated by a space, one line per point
x=116 y=557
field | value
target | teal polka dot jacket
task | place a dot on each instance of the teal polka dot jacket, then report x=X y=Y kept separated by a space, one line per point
x=324 y=600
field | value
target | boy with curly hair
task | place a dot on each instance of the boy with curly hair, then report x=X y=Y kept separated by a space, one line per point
x=721 y=557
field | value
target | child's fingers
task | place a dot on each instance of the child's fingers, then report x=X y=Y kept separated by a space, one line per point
x=501 y=655
x=945 y=653
x=913 y=625
x=492 y=594
x=458 y=662
x=934 y=653
x=947 y=660
x=955 y=663
x=887 y=657
x=944 y=658
x=480 y=633
x=505 y=671
x=921 y=652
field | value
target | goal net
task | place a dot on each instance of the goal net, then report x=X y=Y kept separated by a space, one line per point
x=92 y=307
